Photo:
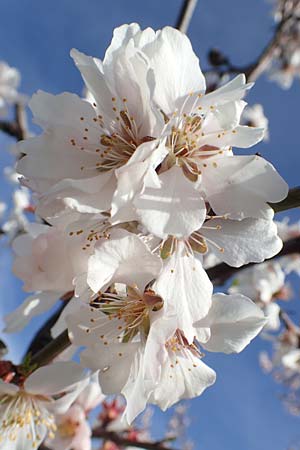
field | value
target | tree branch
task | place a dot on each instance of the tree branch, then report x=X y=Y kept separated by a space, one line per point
x=52 y=350
x=220 y=273
x=290 y=202
x=124 y=442
x=185 y=15
x=18 y=127
x=255 y=69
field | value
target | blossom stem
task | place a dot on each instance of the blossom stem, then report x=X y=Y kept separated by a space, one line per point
x=291 y=201
x=185 y=15
x=52 y=350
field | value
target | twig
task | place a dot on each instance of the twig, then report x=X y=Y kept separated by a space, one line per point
x=186 y=15
x=220 y=273
x=257 y=68
x=122 y=441
x=290 y=202
x=53 y=349
x=43 y=336
x=18 y=127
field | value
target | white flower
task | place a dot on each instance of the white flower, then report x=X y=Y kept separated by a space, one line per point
x=254 y=116
x=231 y=323
x=84 y=143
x=27 y=412
x=262 y=283
x=198 y=136
x=291 y=360
x=47 y=260
x=150 y=125
x=123 y=258
x=272 y=312
x=259 y=282
x=72 y=431
x=285 y=65
x=161 y=366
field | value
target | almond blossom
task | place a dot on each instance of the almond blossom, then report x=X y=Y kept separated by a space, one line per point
x=142 y=319
x=165 y=367
x=27 y=411
x=47 y=259
x=136 y=184
x=181 y=135
x=73 y=430
x=254 y=116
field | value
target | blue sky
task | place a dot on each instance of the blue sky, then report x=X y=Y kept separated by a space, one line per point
x=242 y=411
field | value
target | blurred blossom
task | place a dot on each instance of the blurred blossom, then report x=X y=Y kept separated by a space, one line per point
x=254 y=116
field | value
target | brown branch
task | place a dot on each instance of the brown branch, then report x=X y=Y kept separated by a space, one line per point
x=125 y=442
x=255 y=69
x=52 y=350
x=185 y=15
x=220 y=273
x=290 y=202
x=18 y=127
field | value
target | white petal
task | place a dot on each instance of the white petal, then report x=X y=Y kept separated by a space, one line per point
x=241 y=240
x=225 y=117
x=186 y=379
x=131 y=179
x=113 y=362
x=185 y=289
x=88 y=325
x=272 y=312
x=92 y=73
x=55 y=378
x=60 y=325
x=8 y=389
x=242 y=186
x=124 y=259
x=137 y=389
x=240 y=136
x=32 y=306
x=175 y=208
x=229 y=92
x=176 y=68
x=121 y=36
x=234 y=320
x=90 y=195
x=48 y=160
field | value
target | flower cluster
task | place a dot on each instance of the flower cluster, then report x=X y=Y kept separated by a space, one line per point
x=134 y=185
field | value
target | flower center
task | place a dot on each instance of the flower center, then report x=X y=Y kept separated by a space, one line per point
x=68 y=428
x=113 y=141
x=131 y=308
x=24 y=412
x=186 y=145
x=178 y=347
